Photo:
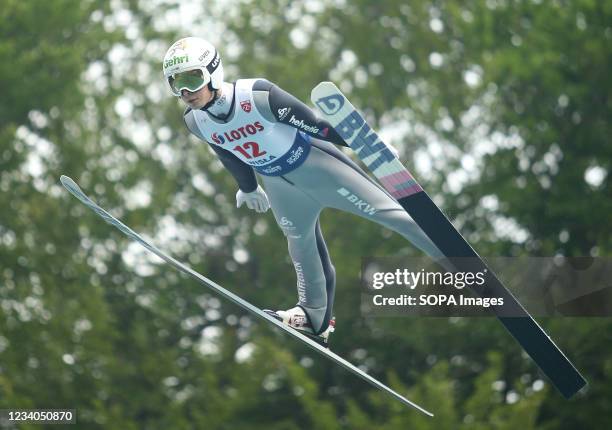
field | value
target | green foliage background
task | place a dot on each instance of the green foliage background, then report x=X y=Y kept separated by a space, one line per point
x=501 y=107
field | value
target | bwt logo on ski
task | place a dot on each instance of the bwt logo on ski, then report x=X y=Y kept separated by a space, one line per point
x=302 y=125
x=366 y=143
x=330 y=105
x=362 y=205
x=237 y=134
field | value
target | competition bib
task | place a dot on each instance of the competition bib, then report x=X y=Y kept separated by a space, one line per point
x=271 y=148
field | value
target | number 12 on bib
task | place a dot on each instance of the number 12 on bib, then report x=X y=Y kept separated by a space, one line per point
x=398 y=181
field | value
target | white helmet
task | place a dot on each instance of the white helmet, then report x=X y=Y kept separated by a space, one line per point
x=193 y=53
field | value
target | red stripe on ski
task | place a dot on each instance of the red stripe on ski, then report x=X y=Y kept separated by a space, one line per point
x=400 y=184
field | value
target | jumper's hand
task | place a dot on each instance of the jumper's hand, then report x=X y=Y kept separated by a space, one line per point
x=256 y=200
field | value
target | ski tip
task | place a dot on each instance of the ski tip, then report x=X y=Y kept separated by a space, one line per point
x=425 y=411
x=66 y=180
x=407 y=402
x=414 y=405
x=69 y=184
x=322 y=85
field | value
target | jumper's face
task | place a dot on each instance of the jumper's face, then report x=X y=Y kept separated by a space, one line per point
x=197 y=99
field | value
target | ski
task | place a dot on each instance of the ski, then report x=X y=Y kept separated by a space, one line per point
x=75 y=190
x=398 y=181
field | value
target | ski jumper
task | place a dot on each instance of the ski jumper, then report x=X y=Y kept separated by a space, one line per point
x=268 y=132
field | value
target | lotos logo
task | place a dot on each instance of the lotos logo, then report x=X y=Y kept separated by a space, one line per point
x=238 y=133
x=246 y=106
x=220 y=140
x=176 y=60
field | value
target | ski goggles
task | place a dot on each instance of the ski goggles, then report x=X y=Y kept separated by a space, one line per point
x=191 y=80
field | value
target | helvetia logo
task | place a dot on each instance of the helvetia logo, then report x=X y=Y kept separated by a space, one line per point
x=302 y=125
x=237 y=134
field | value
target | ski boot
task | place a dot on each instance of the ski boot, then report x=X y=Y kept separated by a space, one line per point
x=296 y=318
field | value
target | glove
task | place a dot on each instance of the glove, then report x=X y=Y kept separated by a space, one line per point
x=256 y=200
